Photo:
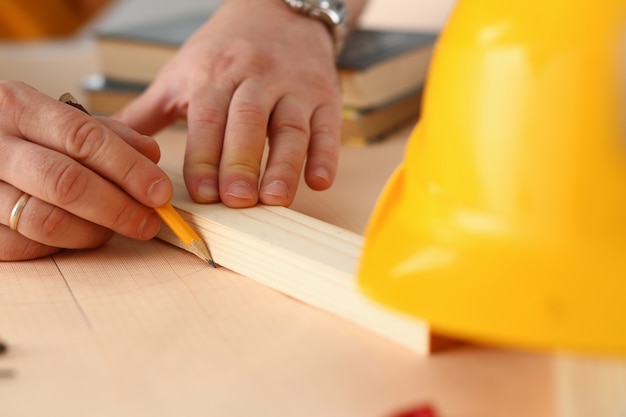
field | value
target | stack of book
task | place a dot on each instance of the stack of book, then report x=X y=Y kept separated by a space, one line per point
x=382 y=72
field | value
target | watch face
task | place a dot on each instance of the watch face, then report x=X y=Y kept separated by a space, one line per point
x=323 y=4
x=332 y=10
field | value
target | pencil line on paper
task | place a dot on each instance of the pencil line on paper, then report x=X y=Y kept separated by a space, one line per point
x=76 y=302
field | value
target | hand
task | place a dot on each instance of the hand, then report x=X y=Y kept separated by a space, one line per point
x=255 y=70
x=88 y=177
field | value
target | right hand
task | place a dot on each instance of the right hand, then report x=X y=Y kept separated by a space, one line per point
x=254 y=73
x=88 y=177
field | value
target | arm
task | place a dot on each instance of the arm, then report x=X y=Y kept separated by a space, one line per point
x=87 y=177
x=255 y=70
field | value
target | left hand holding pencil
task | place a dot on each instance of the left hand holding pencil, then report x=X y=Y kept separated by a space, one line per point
x=68 y=180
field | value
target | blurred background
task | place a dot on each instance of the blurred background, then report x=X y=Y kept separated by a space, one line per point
x=56 y=66
x=405 y=13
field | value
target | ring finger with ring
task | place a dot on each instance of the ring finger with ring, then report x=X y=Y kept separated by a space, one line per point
x=45 y=223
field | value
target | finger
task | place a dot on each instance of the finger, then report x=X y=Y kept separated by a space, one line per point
x=63 y=182
x=323 y=154
x=15 y=247
x=85 y=139
x=49 y=225
x=288 y=138
x=206 y=119
x=148 y=113
x=244 y=142
x=146 y=145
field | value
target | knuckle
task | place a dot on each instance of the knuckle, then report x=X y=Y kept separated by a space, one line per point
x=291 y=126
x=130 y=171
x=325 y=153
x=85 y=138
x=325 y=147
x=9 y=93
x=11 y=87
x=54 y=222
x=10 y=251
x=251 y=115
x=19 y=248
x=288 y=166
x=221 y=64
x=240 y=54
x=210 y=116
x=66 y=183
x=219 y=70
x=122 y=217
x=325 y=129
x=245 y=165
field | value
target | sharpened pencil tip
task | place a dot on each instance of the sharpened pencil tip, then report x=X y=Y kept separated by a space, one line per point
x=201 y=250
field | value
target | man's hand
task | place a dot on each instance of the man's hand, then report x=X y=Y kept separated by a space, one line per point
x=88 y=177
x=254 y=71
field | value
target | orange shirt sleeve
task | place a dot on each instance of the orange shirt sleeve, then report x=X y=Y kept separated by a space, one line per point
x=36 y=19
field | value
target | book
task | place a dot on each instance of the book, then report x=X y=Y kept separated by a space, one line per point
x=375 y=66
x=360 y=126
x=380 y=66
x=106 y=96
x=364 y=126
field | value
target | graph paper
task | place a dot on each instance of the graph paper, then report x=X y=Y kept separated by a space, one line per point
x=146 y=329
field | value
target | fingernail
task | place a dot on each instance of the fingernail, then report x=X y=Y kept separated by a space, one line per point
x=159 y=193
x=242 y=190
x=322 y=173
x=208 y=190
x=150 y=226
x=277 y=189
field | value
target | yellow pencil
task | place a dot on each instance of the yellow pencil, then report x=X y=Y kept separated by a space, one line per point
x=193 y=243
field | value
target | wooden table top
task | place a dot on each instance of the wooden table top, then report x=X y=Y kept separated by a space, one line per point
x=143 y=329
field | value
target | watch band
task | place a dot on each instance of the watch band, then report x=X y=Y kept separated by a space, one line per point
x=333 y=13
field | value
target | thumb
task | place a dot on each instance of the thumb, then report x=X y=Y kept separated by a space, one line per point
x=149 y=112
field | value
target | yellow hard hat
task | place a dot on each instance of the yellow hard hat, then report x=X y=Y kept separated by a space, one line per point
x=506 y=221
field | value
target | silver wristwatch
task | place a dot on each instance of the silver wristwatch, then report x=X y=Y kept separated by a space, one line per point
x=333 y=13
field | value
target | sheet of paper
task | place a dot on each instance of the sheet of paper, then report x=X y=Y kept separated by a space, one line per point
x=146 y=329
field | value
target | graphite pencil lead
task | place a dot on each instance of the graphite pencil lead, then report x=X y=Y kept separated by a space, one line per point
x=201 y=250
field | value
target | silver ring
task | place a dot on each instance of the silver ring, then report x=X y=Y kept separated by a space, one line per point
x=16 y=212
